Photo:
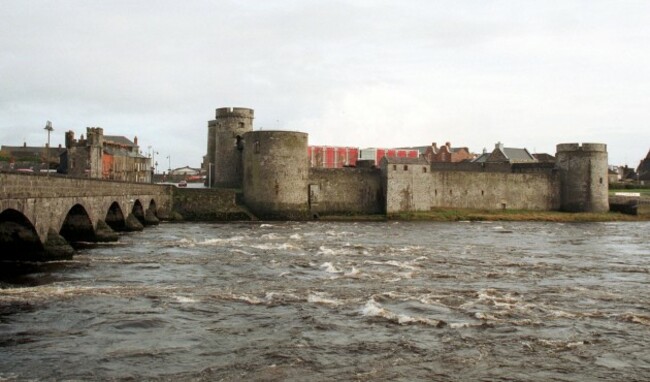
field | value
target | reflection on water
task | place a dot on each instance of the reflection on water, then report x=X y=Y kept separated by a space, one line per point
x=339 y=301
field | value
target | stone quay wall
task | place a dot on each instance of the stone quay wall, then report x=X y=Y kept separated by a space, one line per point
x=345 y=191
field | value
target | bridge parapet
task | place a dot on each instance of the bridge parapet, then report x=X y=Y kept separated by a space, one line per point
x=38 y=186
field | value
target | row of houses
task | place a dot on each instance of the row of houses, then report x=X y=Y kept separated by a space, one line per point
x=337 y=157
x=94 y=156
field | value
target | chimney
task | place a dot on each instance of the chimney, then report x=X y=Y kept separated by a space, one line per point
x=135 y=140
x=24 y=144
x=499 y=146
x=69 y=138
x=448 y=144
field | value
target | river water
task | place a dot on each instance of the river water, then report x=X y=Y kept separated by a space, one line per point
x=399 y=301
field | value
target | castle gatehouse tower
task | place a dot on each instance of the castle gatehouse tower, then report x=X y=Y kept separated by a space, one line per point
x=276 y=174
x=583 y=177
x=225 y=145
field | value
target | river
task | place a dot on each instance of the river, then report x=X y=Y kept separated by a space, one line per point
x=323 y=301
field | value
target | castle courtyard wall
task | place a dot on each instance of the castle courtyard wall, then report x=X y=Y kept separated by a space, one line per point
x=345 y=191
x=413 y=189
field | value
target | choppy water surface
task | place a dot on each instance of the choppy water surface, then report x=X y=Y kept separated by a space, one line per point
x=339 y=301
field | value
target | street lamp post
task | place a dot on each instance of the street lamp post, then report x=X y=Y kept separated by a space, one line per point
x=152 y=155
x=49 y=128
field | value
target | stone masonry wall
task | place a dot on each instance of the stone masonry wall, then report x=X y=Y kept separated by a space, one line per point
x=417 y=190
x=40 y=186
x=345 y=190
x=207 y=204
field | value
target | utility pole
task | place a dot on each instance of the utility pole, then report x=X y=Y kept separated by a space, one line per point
x=49 y=128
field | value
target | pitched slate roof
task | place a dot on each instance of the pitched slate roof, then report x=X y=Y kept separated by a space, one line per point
x=405 y=160
x=420 y=149
x=120 y=140
x=506 y=154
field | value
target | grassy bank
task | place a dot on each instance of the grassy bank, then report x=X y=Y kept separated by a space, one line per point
x=514 y=215
x=644 y=192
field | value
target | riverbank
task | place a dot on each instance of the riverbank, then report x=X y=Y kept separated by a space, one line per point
x=515 y=215
x=449 y=215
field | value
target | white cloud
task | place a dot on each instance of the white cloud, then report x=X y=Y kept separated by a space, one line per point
x=360 y=73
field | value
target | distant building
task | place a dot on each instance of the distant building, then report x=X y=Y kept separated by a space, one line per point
x=376 y=154
x=544 y=158
x=447 y=153
x=186 y=171
x=29 y=157
x=643 y=171
x=506 y=155
x=612 y=175
x=332 y=156
x=105 y=157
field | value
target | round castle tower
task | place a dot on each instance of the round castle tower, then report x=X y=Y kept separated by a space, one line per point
x=583 y=177
x=276 y=172
x=225 y=145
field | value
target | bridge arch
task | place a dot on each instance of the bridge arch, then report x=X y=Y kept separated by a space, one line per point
x=138 y=211
x=18 y=237
x=153 y=208
x=77 y=225
x=115 y=217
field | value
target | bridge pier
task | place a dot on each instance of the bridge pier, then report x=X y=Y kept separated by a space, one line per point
x=133 y=223
x=104 y=233
x=150 y=217
x=56 y=247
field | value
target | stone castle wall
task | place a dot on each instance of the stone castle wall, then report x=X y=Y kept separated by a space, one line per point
x=197 y=204
x=416 y=190
x=345 y=191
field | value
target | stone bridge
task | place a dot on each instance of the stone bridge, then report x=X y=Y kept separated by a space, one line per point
x=41 y=216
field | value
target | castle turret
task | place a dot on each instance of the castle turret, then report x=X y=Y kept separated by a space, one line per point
x=69 y=139
x=225 y=145
x=276 y=174
x=95 y=142
x=583 y=177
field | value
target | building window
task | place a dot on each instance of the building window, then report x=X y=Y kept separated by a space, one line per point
x=257 y=147
x=450 y=192
x=482 y=192
x=601 y=180
x=435 y=192
x=424 y=170
x=406 y=167
x=241 y=125
x=394 y=167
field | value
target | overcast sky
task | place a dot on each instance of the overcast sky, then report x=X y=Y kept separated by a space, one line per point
x=368 y=73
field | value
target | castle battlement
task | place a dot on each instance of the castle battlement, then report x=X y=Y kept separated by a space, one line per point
x=237 y=112
x=585 y=147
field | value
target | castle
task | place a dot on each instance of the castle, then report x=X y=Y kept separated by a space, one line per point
x=272 y=170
